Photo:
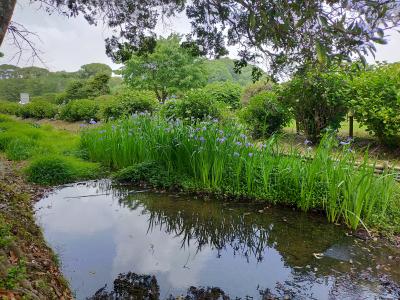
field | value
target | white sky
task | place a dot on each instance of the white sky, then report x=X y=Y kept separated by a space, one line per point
x=69 y=43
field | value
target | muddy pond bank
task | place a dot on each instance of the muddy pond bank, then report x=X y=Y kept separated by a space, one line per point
x=28 y=267
x=115 y=241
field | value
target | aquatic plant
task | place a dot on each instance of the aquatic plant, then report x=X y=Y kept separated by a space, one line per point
x=220 y=158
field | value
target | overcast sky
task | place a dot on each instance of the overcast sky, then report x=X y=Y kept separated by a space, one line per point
x=69 y=43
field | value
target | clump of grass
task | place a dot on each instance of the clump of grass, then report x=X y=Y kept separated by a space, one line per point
x=52 y=170
x=15 y=275
x=5 y=233
x=220 y=158
x=20 y=148
x=149 y=172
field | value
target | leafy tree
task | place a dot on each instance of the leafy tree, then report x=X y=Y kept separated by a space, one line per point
x=87 y=89
x=169 y=69
x=318 y=99
x=376 y=101
x=287 y=33
x=93 y=69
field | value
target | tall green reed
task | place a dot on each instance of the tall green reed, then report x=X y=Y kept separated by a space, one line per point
x=221 y=158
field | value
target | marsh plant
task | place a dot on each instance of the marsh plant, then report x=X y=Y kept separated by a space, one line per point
x=221 y=159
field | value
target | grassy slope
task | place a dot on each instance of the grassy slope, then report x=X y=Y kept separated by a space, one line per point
x=28 y=267
x=36 y=143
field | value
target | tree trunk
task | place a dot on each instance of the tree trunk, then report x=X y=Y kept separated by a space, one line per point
x=6 y=12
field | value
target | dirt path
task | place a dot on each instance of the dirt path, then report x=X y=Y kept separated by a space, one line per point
x=28 y=267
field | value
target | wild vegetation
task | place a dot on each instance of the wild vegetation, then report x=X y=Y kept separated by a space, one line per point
x=53 y=156
x=221 y=159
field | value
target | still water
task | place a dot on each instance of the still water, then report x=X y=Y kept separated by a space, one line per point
x=102 y=232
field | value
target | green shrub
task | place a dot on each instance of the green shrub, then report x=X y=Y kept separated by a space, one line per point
x=19 y=148
x=376 y=101
x=38 y=110
x=194 y=106
x=128 y=102
x=49 y=97
x=256 y=88
x=9 y=108
x=148 y=172
x=52 y=170
x=265 y=114
x=319 y=100
x=79 y=110
x=226 y=92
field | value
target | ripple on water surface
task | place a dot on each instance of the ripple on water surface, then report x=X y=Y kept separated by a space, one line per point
x=175 y=245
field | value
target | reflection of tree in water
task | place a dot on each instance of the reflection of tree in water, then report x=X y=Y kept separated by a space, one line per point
x=241 y=227
x=250 y=233
x=144 y=287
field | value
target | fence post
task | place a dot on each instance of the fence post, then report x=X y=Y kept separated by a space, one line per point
x=351 y=123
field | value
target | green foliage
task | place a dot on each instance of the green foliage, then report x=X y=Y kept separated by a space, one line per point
x=376 y=101
x=79 y=110
x=9 y=108
x=52 y=170
x=90 y=70
x=32 y=142
x=147 y=172
x=20 y=148
x=319 y=100
x=14 y=276
x=86 y=89
x=256 y=88
x=32 y=80
x=49 y=97
x=38 y=110
x=5 y=233
x=265 y=114
x=128 y=102
x=167 y=70
x=195 y=106
x=220 y=159
x=223 y=69
x=226 y=92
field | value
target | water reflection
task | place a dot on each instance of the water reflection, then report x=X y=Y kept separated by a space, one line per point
x=183 y=243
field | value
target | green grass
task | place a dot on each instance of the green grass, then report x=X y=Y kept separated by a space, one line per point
x=53 y=156
x=358 y=130
x=221 y=159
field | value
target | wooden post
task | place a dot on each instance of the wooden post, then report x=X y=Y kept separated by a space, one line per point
x=351 y=123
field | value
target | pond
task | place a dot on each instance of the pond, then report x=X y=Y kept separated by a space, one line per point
x=115 y=242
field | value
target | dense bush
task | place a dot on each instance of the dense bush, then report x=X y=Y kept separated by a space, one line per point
x=38 y=110
x=256 y=88
x=376 y=101
x=49 y=97
x=319 y=100
x=265 y=114
x=128 y=102
x=79 y=110
x=9 y=108
x=227 y=92
x=194 y=106
x=147 y=172
x=51 y=170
